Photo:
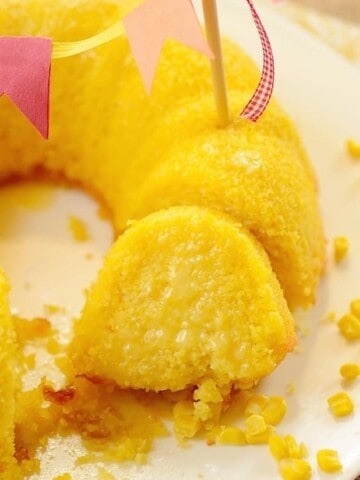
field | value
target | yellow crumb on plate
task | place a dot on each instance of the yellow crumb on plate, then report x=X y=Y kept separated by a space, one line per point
x=341 y=248
x=353 y=148
x=350 y=371
x=30 y=330
x=104 y=474
x=340 y=404
x=355 y=307
x=78 y=229
x=186 y=424
x=53 y=346
x=329 y=317
x=52 y=309
x=349 y=326
x=64 y=476
x=328 y=461
x=290 y=388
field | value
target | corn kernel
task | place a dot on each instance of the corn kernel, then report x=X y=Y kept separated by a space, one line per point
x=294 y=469
x=231 y=436
x=340 y=404
x=256 y=430
x=350 y=371
x=355 y=307
x=278 y=447
x=275 y=411
x=349 y=326
x=328 y=461
x=295 y=449
x=256 y=405
x=353 y=148
x=341 y=248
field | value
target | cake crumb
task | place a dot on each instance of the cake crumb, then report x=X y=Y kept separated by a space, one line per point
x=78 y=229
x=64 y=476
x=51 y=309
x=329 y=317
x=353 y=148
x=30 y=361
x=29 y=330
x=341 y=248
x=104 y=474
x=290 y=388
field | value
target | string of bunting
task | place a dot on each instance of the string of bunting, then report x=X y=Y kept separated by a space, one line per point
x=25 y=62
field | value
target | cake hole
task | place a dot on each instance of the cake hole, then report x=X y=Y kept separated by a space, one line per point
x=45 y=263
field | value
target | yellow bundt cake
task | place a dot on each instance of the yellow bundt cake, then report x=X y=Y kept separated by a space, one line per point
x=129 y=149
x=8 y=380
x=186 y=293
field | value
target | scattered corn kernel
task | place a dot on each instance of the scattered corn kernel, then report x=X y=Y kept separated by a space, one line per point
x=256 y=430
x=294 y=469
x=231 y=436
x=350 y=371
x=340 y=404
x=328 y=461
x=295 y=449
x=353 y=148
x=275 y=410
x=78 y=229
x=355 y=307
x=256 y=405
x=341 y=248
x=278 y=447
x=349 y=326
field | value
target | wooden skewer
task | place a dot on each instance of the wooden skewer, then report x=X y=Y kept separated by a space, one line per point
x=217 y=65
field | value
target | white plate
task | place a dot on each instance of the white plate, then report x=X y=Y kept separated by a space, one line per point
x=321 y=92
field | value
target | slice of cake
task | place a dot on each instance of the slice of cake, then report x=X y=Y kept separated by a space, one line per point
x=184 y=294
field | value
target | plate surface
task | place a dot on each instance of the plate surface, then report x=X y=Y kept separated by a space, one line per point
x=321 y=92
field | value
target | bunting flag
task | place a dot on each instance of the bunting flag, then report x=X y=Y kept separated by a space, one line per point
x=152 y=23
x=259 y=101
x=25 y=64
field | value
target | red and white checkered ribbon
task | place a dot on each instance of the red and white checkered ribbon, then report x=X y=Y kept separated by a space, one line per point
x=259 y=101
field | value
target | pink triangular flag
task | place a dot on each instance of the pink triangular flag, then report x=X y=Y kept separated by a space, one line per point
x=150 y=24
x=25 y=64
